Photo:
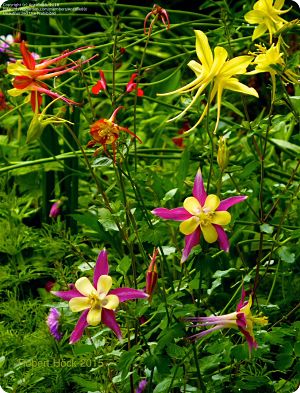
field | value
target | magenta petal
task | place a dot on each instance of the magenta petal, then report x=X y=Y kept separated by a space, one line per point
x=54 y=95
x=241 y=320
x=67 y=295
x=109 y=319
x=190 y=241
x=101 y=267
x=222 y=238
x=125 y=294
x=79 y=328
x=242 y=302
x=177 y=214
x=199 y=189
x=205 y=332
x=250 y=340
x=227 y=203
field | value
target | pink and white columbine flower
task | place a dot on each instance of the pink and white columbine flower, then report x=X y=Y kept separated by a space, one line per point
x=241 y=319
x=96 y=300
x=201 y=213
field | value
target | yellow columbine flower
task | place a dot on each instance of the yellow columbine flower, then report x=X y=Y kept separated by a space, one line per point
x=215 y=69
x=270 y=60
x=266 y=16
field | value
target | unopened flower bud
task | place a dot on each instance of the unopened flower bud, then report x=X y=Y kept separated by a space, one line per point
x=152 y=275
x=223 y=154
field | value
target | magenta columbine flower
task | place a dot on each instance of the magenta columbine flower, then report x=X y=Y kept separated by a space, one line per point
x=201 y=213
x=241 y=319
x=53 y=323
x=96 y=300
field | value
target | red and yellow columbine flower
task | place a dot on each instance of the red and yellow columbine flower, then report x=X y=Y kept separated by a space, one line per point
x=131 y=85
x=201 y=213
x=215 y=70
x=29 y=76
x=100 y=85
x=97 y=301
x=106 y=132
x=241 y=319
x=266 y=15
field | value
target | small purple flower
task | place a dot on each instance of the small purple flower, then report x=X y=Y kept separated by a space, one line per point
x=142 y=386
x=97 y=301
x=53 y=323
x=55 y=209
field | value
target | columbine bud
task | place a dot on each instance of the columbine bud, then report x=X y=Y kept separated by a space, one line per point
x=151 y=276
x=223 y=154
x=55 y=209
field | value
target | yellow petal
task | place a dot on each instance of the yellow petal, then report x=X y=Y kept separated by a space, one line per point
x=192 y=205
x=211 y=203
x=104 y=284
x=220 y=56
x=15 y=92
x=259 y=31
x=246 y=309
x=189 y=226
x=196 y=67
x=203 y=50
x=209 y=232
x=94 y=316
x=254 y=17
x=237 y=65
x=111 y=302
x=84 y=286
x=234 y=85
x=221 y=218
x=18 y=69
x=79 y=304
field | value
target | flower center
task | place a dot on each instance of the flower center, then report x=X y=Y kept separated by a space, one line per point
x=205 y=217
x=95 y=301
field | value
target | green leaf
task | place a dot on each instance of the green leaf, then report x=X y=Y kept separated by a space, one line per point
x=170 y=194
x=90 y=385
x=163 y=386
x=124 y=265
x=2 y=360
x=296 y=349
x=248 y=169
x=284 y=361
x=286 y=255
x=175 y=351
x=102 y=161
x=286 y=145
x=106 y=219
x=266 y=228
x=126 y=359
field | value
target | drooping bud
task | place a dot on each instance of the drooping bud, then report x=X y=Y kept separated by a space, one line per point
x=223 y=154
x=55 y=209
